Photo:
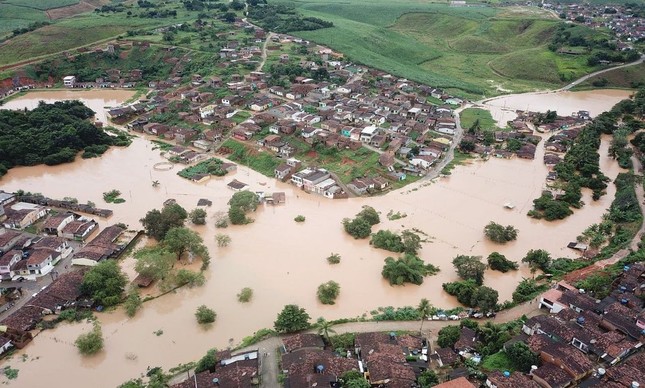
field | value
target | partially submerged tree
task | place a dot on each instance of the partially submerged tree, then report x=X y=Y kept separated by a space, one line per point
x=223 y=240
x=104 y=283
x=157 y=223
x=407 y=269
x=292 y=318
x=181 y=240
x=499 y=262
x=154 y=262
x=241 y=203
x=205 y=315
x=470 y=267
x=90 y=343
x=198 y=216
x=499 y=233
x=537 y=259
x=328 y=292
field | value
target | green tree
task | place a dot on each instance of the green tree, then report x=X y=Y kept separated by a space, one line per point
x=208 y=362
x=245 y=200
x=158 y=223
x=181 y=240
x=354 y=379
x=499 y=233
x=522 y=357
x=132 y=303
x=370 y=215
x=154 y=262
x=198 y=216
x=292 y=318
x=205 y=315
x=448 y=336
x=411 y=242
x=384 y=239
x=537 y=259
x=323 y=328
x=245 y=295
x=104 y=283
x=407 y=269
x=499 y=262
x=463 y=290
x=357 y=228
x=91 y=342
x=328 y=292
x=334 y=258
x=485 y=298
x=428 y=378
x=424 y=308
x=237 y=216
x=223 y=240
x=470 y=267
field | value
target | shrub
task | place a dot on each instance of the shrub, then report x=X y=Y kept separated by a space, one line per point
x=223 y=240
x=407 y=269
x=334 y=258
x=205 y=315
x=299 y=218
x=384 y=239
x=448 y=336
x=245 y=295
x=90 y=343
x=328 y=292
x=499 y=262
x=357 y=228
x=132 y=303
x=198 y=216
x=500 y=234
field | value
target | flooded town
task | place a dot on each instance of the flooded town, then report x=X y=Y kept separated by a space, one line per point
x=312 y=140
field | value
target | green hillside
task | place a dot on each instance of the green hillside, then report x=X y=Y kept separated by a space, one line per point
x=472 y=51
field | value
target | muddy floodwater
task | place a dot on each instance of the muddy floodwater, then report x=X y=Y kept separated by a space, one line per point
x=284 y=261
x=503 y=108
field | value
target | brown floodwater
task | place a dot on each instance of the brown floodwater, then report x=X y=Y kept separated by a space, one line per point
x=284 y=261
x=564 y=102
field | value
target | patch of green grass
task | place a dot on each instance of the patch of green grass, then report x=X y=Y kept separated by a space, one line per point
x=240 y=116
x=42 y=4
x=626 y=77
x=12 y=17
x=498 y=361
x=162 y=145
x=262 y=162
x=469 y=116
x=459 y=158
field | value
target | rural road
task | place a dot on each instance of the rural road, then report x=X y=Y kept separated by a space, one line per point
x=640 y=195
x=264 y=51
x=586 y=77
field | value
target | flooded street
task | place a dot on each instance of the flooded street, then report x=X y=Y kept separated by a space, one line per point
x=284 y=261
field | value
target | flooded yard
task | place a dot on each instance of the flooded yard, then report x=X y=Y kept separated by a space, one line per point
x=284 y=261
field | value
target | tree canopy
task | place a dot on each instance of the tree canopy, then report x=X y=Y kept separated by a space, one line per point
x=50 y=134
x=328 y=292
x=407 y=269
x=538 y=259
x=158 y=223
x=104 y=283
x=154 y=262
x=470 y=267
x=448 y=336
x=292 y=318
x=361 y=225
x=499 y=233
x=181 y=240
x=499 y=262
x=241 y=203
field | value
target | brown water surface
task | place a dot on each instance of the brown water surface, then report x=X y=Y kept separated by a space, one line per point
x=284 y=261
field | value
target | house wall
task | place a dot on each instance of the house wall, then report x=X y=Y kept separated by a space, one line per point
x=83 y=262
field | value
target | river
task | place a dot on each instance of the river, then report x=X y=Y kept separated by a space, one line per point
x=283 y=261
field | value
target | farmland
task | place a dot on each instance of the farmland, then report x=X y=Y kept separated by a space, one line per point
x=471 y=51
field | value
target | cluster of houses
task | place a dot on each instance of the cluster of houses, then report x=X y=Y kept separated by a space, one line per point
x=240 y=370
x=622 y=19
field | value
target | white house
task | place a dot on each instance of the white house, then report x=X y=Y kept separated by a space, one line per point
x=7 y=261
x=69 y=81
x=206 y=111
x=368 y=133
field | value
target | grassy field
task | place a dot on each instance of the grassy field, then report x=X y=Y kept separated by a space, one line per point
x=472 y=51
x=12 y=17
x=469 y=115
x=498 y=361
x=41 y=4
x=626 y=77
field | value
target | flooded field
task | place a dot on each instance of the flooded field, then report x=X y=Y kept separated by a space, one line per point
x=564 y=102
x=284 y=261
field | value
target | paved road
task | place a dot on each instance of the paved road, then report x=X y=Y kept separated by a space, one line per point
x=450 y=154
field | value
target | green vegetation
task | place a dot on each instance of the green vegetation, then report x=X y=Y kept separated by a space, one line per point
x=528 y=289
x=222 y=240
x=499 y=262
x=104 y=283
x=281 y=18
x=42 y=4
x=361 y=225
x=90 y=343
x=154 y=262
x=626 y=77
x=208 y=362
x=50 y=134
x=205 y=315
x=334 y=258
x=470 y=267
x=157 y=223
x=407 y=269
x=498 y=361
x=132 y=303
x=470 y=294
x=258 y=336
x=10 y=373
x=328 y=292
x=477 y=118
x=408 y=241
x=499 y=233
x=392 y=216
x=180 y=240
x=262 y=162
x=537 y=259
x=299 y=218
x=292 y=318
x=113 y=196
x=448 y=336
x=212 y=166
x=449 y=47
x=428 y=378
x=198 y=216
x=241 y=203
x=245 y=295
x=522 y=357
